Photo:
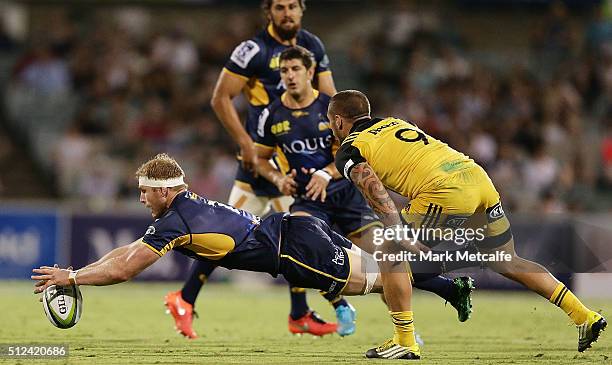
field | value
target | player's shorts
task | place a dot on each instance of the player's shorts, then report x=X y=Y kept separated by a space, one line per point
x=466 y=199
x=312 y=255
x=345 y=208
x=243 y=197
x=259 y=185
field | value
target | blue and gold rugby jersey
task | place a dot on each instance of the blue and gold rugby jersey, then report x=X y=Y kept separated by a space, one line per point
x=301 y=137
x=208 y=230
x=257 y=61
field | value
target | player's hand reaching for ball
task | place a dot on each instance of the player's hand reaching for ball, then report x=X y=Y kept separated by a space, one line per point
x=286 y=184
x=317 y=186
x=48 y=276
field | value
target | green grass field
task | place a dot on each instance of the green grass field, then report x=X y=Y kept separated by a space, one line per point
x=126 y=324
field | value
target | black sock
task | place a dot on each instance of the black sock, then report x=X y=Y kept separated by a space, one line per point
x=200 y=271
x=299 y=306
x=439 y=285
x=335 y=300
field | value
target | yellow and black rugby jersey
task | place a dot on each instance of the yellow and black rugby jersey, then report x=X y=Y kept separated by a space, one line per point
x=405 y=158
x=257 y=61
x=208 y=230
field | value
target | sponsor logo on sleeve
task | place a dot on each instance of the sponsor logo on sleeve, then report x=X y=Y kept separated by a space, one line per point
x=243 y=54
x=495 y=212
x=150 y=230
x=324 y=62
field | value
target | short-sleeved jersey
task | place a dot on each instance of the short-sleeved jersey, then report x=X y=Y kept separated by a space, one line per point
x=301 y=137
x=406 y=159
x=257 y=61
x=208 y=230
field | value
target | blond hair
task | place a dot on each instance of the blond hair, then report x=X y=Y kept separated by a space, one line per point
x=161 y=167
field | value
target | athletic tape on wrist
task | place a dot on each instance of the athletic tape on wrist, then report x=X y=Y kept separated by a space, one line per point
x=324 y=174
x=72 y=277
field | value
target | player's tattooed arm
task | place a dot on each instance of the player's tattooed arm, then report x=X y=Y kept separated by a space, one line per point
x=379 y=199
x=366 y=180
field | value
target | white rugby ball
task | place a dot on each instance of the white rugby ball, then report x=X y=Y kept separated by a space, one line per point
x=63 y=305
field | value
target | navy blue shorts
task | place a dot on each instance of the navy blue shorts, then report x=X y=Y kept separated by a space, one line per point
x=312 y=255
x=345 y=209
x=260 y=186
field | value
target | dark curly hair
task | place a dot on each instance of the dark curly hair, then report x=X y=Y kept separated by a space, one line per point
x=267 y=4
x=299 y=53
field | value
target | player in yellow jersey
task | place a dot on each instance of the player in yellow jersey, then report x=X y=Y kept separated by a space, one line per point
x=446 y=189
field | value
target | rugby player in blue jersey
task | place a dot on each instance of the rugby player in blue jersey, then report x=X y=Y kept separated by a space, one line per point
x=305 y=250
x=252 y=69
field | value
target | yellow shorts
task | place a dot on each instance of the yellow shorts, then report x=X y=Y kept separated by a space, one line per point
x=466 y=199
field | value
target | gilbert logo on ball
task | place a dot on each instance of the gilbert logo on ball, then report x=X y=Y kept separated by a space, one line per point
x=63 y=305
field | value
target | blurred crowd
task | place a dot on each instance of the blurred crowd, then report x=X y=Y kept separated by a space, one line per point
x=543 y=130
x=136 y=92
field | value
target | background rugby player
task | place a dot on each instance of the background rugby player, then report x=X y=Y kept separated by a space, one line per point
x=252 y=69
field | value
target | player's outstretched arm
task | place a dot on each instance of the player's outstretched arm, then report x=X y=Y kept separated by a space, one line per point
x=122 y=265
x=227 y=88
x=113 y=253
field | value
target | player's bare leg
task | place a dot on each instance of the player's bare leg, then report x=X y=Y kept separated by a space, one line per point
x=366 y=278
x=535 y=277
x=457 y=292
